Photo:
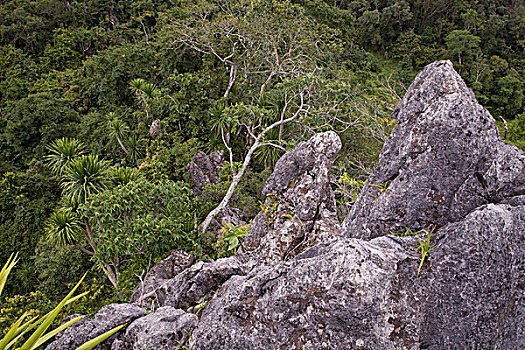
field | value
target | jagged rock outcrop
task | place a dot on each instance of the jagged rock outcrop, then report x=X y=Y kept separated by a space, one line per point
x=154 y=129
x=446 y=166
x=300 y=209
x=204 y=170
x=300 y=285
x=444 y=159
x=300 y=212
x=356 y=294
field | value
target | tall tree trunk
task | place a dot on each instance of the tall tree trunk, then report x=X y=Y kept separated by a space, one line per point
x=233 y=77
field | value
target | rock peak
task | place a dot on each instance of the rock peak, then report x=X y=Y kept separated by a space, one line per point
x=437 y=80
x=440 y=162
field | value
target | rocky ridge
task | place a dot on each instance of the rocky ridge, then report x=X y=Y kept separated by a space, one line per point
x=301 y=283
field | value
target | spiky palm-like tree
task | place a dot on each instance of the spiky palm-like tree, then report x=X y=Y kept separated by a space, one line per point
x=269 y=155
x=84 y=176
x=145 y=92
x=219 y=120
x=122 y=175
x=117 y=129
x=135 y=148
x=62 y=152
x=64 y=228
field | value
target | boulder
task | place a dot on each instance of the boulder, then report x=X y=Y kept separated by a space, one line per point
x=105 y=319
x=204 y=170
x=154 y=129
x=165 y=329
x=300 y=209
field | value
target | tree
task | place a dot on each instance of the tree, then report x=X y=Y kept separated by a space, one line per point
x=33 y=122
x=138 y=221
x=463 y=45
x=259 y=42
x=509 y=97
x=258 y=141
x=61 y=153
x=267 y=46
x=113 y=214
x=81 y=176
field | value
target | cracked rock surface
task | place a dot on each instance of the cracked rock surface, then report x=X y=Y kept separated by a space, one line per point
x=301 y=284
x=444 y=159
x=165 y=329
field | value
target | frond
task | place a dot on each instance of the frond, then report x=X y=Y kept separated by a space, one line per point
x=84 y=176
x=62 y=152
x=63 y=228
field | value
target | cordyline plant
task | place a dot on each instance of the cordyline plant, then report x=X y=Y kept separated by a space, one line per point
x=35 y=330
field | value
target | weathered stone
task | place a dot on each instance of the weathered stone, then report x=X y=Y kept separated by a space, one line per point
x=330 y=297
x=105 y=319
x=355 y=294
x=193 y=284
x=165 y=329
x=444 y=159
x=154 y=129
x=164 y=270
x=443 y=163
x=300 y=209
x=204 y=169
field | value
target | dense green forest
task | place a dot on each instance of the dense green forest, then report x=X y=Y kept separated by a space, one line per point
x=85 y=187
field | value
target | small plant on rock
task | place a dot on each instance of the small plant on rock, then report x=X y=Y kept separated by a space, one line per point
x=424 y=244
x=380 y=188
x=269 y=209
x=230 y=239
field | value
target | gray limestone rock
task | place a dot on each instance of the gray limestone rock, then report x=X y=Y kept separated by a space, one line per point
x=446 y=167
x=165 y=329
x=166 y=269
x=154 y=129
x=356 y=294
x=204 y=169
x=300 y=209
x=444 y=159
x=105 y=319
x=190 y=287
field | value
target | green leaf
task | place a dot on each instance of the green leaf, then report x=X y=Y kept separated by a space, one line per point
x=11 y=262
x=54 y=332
x=94 y=342
x=48 y=320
